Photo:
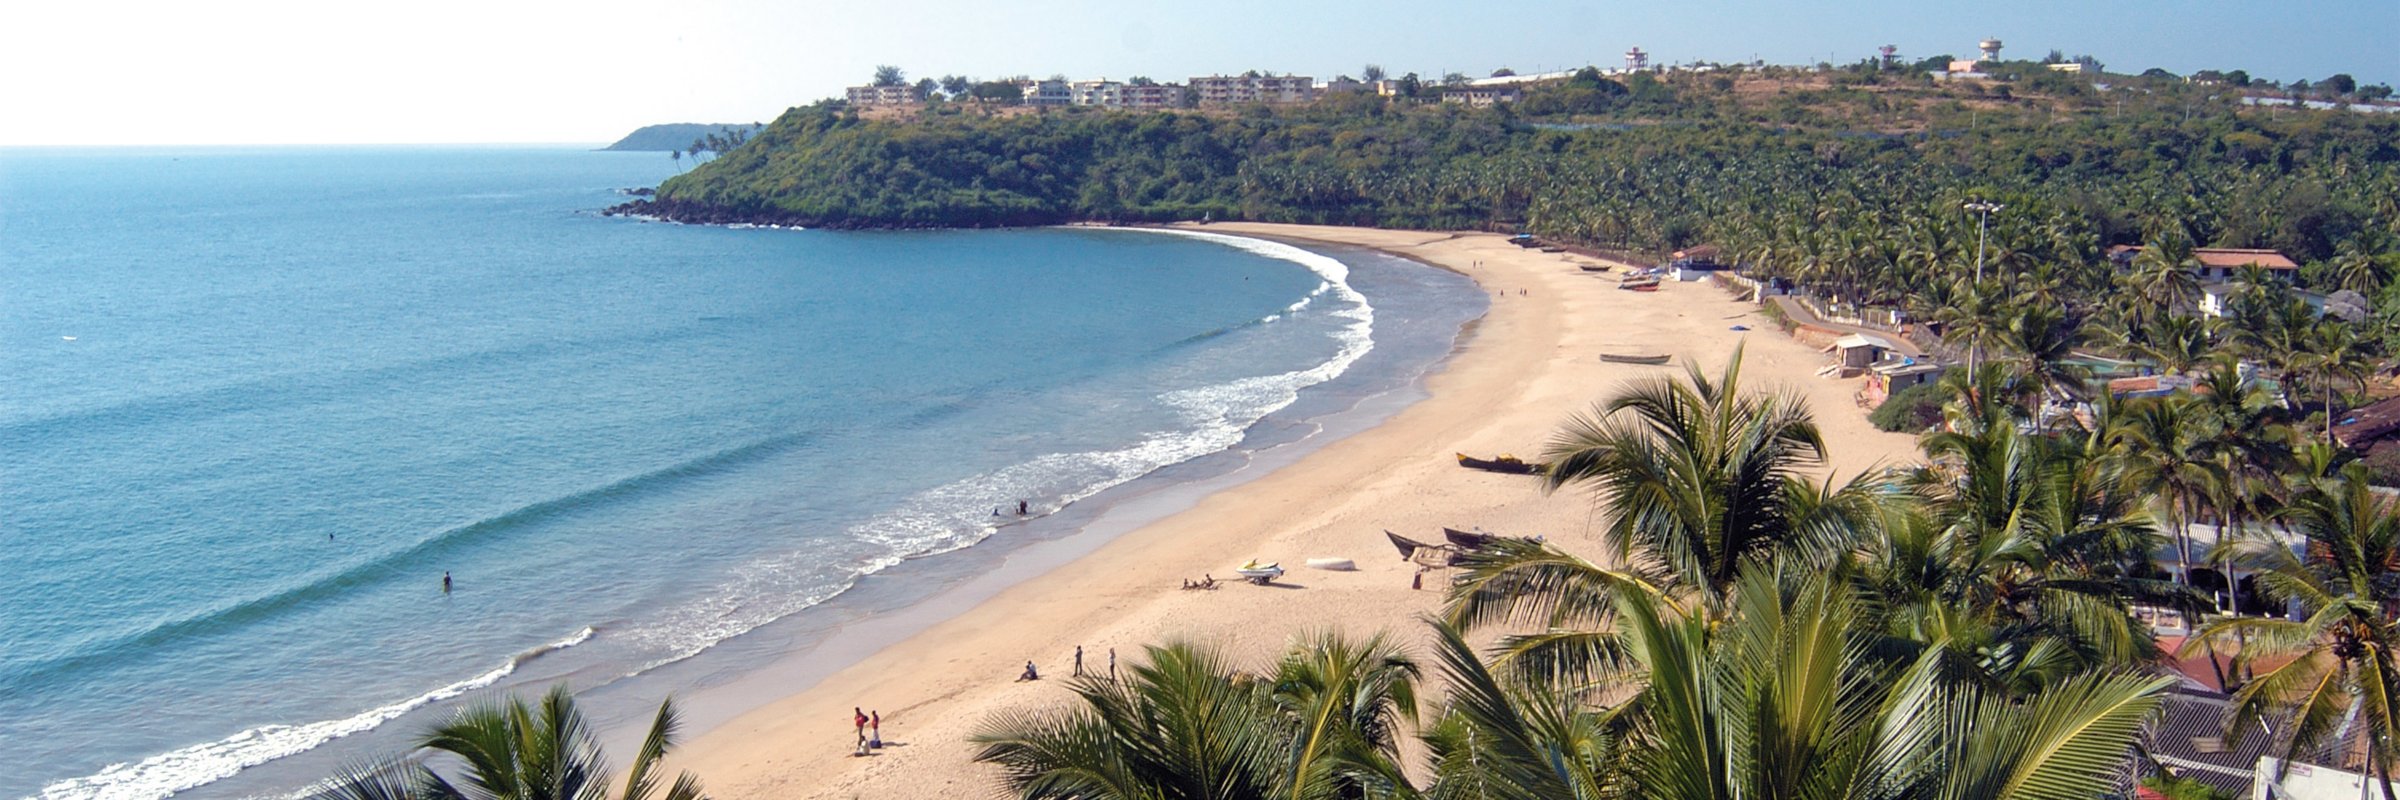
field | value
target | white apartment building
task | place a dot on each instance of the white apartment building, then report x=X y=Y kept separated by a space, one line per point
x=1103 y=93
x=1226 y=90
x=881 y=95
x=1048 y=93
x=1154 y=96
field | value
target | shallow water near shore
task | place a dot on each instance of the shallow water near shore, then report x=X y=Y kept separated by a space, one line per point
x=260 y=401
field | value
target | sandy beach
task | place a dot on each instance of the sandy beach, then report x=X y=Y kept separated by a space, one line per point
x=1528 y=364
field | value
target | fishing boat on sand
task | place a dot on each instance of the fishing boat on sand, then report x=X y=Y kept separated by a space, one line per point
x=1594 y=267
x=1426 y=555
x=1644 y=285
x=1506 y=464
x=1477 y=540
x=1628 y=358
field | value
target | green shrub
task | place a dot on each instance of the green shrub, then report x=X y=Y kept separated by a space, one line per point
x=1913 y=409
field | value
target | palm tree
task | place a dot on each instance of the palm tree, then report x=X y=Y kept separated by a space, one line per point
x=1699 y=477
x=2032 y=544
x=511 y=751
x=2337 y=356
x=1186 y=725
x=1787 y=698
x=2178 y=342
x=2344 y=670
x=2164 y=443
x=1977 y=320
x=2168 y=273
x=2041 y=340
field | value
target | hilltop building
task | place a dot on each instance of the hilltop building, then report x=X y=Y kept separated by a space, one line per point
x=1216 y=90
x=1047 y=93
x=1153 y=96
x=1482 y=96
x=881 y=95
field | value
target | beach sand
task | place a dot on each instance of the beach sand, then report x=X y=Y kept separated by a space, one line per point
x=1521 y=370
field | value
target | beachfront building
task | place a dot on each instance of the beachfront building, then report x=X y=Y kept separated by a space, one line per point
x=881 y=95
x=1218 y=90
x=1051 y=92
x=1482 y=96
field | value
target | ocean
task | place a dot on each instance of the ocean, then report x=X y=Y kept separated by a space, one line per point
x=257 y=405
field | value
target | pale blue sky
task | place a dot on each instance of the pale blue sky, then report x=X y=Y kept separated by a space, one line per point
x=285 y=71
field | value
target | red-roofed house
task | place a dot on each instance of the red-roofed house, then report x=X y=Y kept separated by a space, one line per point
x=2222 y=263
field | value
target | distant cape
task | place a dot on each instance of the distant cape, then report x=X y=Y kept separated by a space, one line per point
x=674 y=135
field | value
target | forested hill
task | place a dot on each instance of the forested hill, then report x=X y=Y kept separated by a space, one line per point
x=1647 y=165
x=673 y=135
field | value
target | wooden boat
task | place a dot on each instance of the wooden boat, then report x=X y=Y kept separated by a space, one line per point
x=1648 y=286
x=1424 y=555
x=1477 y=540
x=1594 y=267
x=1261 y=574
x=1554 y=249
x=1623 y=358
x=1510 y=465
x=1467 y=539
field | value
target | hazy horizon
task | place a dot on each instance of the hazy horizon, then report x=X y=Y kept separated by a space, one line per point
x=273 y=72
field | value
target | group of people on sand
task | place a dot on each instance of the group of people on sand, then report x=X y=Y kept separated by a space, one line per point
x=1205 y=582
x=1033 y=673
x=870 y=730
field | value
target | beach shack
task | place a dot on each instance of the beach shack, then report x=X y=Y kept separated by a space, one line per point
x=1892 y=375
x=1857 y=352
x=1694 y=263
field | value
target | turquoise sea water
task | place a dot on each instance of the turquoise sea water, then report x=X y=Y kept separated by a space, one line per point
x=254 y=404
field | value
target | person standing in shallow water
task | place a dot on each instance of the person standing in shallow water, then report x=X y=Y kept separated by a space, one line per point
x=445 y=581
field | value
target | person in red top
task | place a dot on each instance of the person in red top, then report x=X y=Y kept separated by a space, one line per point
x=859 y=718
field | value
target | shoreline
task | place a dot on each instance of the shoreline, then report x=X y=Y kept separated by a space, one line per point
x=1511 y=376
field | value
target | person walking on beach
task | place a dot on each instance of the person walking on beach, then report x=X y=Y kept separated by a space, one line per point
x=1079 y=661
x=875 y=730
x=1112 y=663
x=858 y=717
x=1021 y=508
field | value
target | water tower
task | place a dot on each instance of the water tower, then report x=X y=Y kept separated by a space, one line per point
x=1636 y=60
x=1891 y=54
x=1991 y=50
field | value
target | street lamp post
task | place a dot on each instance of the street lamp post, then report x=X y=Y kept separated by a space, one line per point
x=1983 y=230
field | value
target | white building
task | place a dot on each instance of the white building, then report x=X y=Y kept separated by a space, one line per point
x=1481 y=96
x=1153 y=96
x=881 y=95
x=1104 y=93
x=1047 y=93
x=1235 y=89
